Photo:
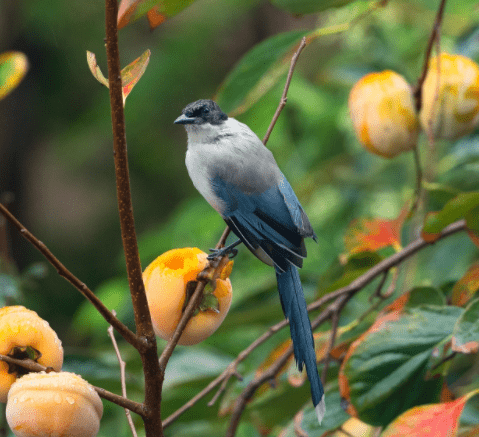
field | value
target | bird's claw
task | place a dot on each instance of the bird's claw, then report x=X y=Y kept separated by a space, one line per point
x=220 y=253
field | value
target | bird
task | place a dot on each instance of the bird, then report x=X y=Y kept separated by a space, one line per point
x=239 y=177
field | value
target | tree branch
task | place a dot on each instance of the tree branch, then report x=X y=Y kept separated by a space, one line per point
x=122 y=364
x=435 y=32
x=144 y=327
x=33 y=366
x=122 y=329
x=284 y=97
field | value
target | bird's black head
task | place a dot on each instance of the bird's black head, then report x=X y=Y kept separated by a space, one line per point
x=201 y=112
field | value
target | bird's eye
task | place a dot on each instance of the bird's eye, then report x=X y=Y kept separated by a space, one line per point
x=206 y=110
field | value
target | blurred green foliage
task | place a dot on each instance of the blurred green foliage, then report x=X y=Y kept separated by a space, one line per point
x=57 y=159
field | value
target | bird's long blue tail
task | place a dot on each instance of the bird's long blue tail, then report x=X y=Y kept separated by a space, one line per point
x=294 y=308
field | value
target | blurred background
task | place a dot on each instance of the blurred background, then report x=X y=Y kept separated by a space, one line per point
x=56 y=159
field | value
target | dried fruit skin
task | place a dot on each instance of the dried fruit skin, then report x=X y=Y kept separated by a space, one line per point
x=53 y=404
x=450 y=97
x=20 y=327
x=166 y=280
x=383 y=114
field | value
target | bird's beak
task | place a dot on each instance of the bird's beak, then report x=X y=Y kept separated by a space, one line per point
x=183 y=119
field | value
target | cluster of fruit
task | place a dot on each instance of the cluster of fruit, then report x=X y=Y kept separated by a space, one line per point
x=62 y=403
x=45 y=403
x=383 y=109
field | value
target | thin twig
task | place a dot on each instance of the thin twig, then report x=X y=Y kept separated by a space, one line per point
x=144 y=327
x=284 y=97
x=380 y=286
x=234 y=372
x=33 y=366
x=122 y=364
x=353 y=287
x=443 y=360
x=419 y=177
x=435 y=32
x=123 y=330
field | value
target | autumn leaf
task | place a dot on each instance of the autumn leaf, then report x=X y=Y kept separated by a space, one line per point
x=466 y=287
x=13 y=67
x=157 y=10
x=438 y=420
x=130 y=75
x=370 y=235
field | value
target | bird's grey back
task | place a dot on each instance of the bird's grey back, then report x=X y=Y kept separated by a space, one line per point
x=234 y=154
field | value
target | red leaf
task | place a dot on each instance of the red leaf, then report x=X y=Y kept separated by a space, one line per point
x=438 y=420
x=155 y=17
x=131 y=74
x=365 y=235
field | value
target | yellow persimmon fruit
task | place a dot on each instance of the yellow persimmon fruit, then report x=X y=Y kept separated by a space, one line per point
x=382 y=109
x=166 y=282
x=450 y=97
x=53 y=404
x=23 y=334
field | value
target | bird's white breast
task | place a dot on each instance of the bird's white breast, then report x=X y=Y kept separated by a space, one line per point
x=197 y=165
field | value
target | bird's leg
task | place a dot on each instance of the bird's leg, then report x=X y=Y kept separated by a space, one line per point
x=228 y=250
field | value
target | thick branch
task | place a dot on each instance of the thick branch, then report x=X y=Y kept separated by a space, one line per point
x=129 y=336
x=149 y=355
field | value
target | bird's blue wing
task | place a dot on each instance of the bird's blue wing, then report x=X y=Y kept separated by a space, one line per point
x=270 y=220
x=299 y=217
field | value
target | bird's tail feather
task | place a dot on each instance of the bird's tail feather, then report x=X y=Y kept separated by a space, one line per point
x=294 y=307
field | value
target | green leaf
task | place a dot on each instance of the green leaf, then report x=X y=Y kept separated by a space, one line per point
x=88 y=321
x=425 y=296
x=383 y=374
x=335 y=416
x=254 y=65
x=262 y=67
x=457 y=208
x=308 y=6
x=187 y=364
x=465 y=337
x=439 y=194
x=13 y=67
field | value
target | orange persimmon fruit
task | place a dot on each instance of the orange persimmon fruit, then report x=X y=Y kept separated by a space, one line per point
x=24 y=334
x=450 y=97
x=382 y=111
x=168 y=281
x=53 y=404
